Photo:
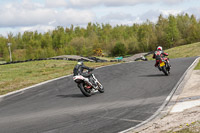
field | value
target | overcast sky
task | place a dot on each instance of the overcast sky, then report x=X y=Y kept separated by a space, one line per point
x=43 y=15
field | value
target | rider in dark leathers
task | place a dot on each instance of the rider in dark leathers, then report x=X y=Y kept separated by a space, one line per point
x=80 y=67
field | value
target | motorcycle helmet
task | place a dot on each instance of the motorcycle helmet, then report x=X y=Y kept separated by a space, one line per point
x=159 y=48
x=80 y=63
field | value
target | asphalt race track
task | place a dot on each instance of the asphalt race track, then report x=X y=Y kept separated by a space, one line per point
x=133 y=93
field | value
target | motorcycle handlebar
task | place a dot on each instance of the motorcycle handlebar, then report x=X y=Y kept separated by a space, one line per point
x=90 y=70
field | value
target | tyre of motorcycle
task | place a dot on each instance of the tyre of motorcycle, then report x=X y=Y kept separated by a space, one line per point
x=86 y=92
x=101 y=88
x=168 y=67
x=165 y=71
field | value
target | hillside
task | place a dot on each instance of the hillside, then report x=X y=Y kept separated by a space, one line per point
x=189 y=50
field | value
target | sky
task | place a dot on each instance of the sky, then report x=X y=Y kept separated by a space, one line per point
x=44 y=15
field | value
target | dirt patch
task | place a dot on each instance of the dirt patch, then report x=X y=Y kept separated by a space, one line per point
x=173 y=122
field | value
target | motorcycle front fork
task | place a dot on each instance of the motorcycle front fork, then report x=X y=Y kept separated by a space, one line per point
x=93 y=79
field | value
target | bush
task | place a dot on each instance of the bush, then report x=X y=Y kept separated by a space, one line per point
x=119 y=49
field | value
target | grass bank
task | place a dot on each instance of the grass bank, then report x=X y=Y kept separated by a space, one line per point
x=20 y=75
x=189 y=50
x=198 y=66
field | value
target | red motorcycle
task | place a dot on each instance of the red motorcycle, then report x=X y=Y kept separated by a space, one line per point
x=164 y=66
x=162 y=62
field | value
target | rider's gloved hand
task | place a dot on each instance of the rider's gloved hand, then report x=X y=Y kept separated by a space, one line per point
x=91 y=69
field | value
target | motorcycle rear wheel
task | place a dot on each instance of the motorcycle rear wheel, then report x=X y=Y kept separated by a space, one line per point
x=86 y=92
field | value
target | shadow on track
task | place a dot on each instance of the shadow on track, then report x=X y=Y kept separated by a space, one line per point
x=71 y=95
x=153 y=75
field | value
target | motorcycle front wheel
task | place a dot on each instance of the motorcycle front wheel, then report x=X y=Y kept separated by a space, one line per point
x=101 y=88
x=86 y=92
x=165 y=71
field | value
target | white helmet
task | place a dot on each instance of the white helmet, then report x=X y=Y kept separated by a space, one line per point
x=80 y=63
x=159 y=48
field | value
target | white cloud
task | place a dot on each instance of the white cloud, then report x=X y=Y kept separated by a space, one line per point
x=47 y=14
x=117 y=16
x=17 y=14
x=27 y=4
x=194 y=11
x=39 y=28
x=174 y=1
x=170 y=12
x=21 y=17
x=55 y=3
x=71 y=16
x=5 y=31
x=93 y=3
x=28 y=16
x=153 y=15
x=85 y=3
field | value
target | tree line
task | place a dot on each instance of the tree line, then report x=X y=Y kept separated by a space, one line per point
x=119 y=40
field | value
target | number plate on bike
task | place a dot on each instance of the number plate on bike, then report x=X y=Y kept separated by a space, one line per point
x=162 y=64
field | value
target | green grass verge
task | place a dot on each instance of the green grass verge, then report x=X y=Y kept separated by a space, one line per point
x=198 y=66
x=20 y=75
x=189 y=50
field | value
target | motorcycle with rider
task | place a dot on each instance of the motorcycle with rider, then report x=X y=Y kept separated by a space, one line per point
x=86 y=80
x=161 y=61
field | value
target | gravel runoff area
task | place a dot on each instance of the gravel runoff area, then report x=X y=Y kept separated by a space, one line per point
x=134 y=57
x=126 y=59
x=72 y=57
x=182 y=111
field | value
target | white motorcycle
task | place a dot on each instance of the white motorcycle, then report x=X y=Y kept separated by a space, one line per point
x=85 y=85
